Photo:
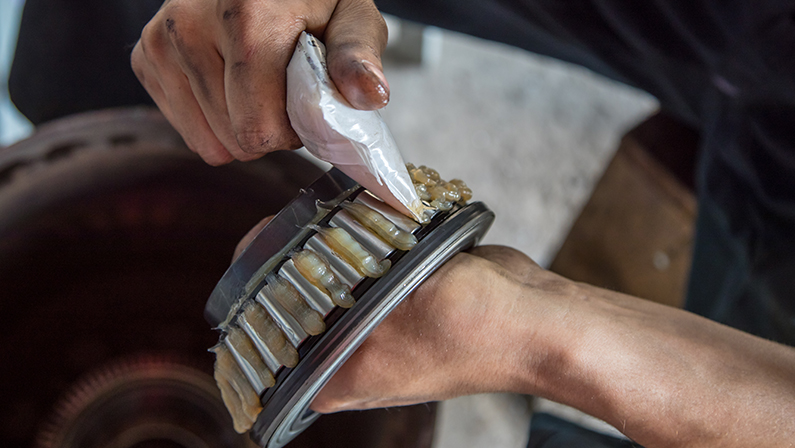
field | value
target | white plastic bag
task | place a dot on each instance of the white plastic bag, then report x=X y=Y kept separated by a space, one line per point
x=355 y=141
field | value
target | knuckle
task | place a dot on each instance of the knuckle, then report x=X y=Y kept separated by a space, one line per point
x=178 y=25
x=258 y=141
x=230 y=10
x=153 y=42
x=174 y=37
x=215 y=161
x=248 y=25
x=247 y=157
x=233 y=16
x=212 y=154
x=260 y=137
x=215 y=156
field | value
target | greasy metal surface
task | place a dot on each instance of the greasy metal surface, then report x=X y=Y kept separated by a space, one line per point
x=248 y=370
x=281 y=230
x=369 y=241
x=315 y=298
x=346 y=273
x=289 y=326
x=390 y=213
x=271 y=362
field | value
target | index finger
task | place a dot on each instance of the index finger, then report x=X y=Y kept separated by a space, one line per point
x=258 y=41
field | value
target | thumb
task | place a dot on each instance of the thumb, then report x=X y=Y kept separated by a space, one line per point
x=355 y=37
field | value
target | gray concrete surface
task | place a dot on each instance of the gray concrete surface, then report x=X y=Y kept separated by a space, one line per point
x=529 y=134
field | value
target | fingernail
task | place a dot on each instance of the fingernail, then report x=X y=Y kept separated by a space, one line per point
x=380 y=79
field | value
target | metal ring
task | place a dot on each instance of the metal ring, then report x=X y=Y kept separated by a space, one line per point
x=285 y=412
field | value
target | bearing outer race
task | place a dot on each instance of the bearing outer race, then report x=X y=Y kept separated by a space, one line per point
x=285 y=411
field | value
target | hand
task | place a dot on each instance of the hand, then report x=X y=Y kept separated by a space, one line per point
x=451 y=337
x=216 y=69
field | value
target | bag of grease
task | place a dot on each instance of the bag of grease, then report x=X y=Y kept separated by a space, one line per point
x=357 y=142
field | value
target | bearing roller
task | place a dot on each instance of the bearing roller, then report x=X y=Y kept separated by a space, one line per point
x=270 y=382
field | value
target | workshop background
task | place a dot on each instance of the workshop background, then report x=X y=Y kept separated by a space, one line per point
x=530 y=135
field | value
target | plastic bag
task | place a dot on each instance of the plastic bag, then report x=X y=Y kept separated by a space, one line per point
x=355 y=141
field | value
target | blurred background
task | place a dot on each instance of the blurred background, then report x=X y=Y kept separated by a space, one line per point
x=530 y=135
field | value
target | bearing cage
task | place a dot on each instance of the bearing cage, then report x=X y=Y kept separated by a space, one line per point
x=285 y=412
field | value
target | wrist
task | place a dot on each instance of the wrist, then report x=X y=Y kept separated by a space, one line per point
x=491 y=307
x=512 y=329
x=537 y=334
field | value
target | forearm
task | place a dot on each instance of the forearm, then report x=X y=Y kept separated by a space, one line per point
x=663 y=376
x=492 y=321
